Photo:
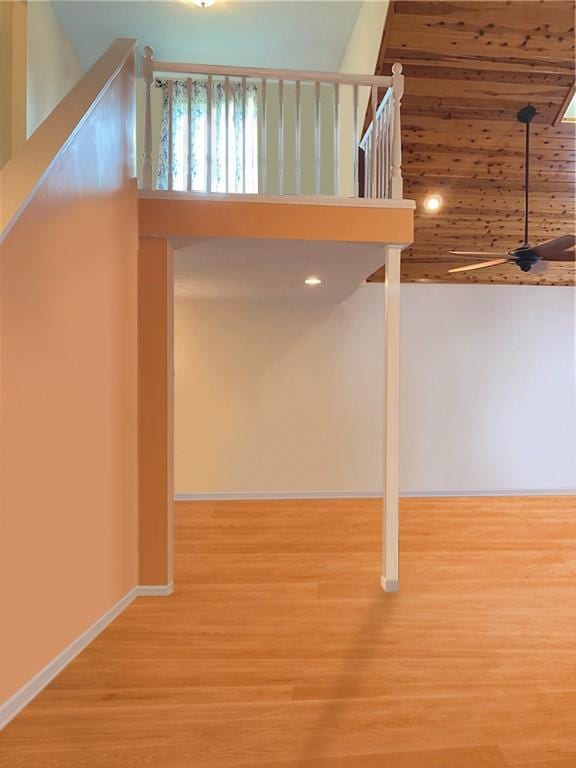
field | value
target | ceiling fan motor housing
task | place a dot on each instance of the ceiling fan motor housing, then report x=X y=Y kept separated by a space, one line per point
x=526 y=114
x=526 y=258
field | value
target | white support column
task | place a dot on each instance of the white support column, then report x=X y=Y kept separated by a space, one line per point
x=148 y=74
x=390 y=527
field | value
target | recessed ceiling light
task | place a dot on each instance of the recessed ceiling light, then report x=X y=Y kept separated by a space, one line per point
x=433 y=203
x=313 y=280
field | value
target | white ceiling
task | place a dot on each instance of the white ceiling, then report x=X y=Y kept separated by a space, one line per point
x=294 y=35
x=271 y=270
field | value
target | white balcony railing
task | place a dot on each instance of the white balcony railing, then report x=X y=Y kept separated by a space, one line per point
x=235 y=129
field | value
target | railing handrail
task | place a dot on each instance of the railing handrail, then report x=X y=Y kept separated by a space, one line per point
x=24 y=172
x=289 y=75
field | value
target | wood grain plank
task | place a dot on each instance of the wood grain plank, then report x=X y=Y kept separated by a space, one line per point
x=278 y=648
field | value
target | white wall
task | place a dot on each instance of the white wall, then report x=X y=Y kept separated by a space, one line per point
x=361 y=57
x=283 y=398
x=53 y=67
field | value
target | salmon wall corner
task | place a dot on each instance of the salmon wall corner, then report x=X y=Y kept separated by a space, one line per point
x=69 y=379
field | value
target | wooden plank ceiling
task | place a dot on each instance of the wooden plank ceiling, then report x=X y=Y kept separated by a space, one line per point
x=469 y=67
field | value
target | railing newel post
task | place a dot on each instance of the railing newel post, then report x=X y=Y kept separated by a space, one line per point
x=355 y=145
x=148 y=73
x=396 y=166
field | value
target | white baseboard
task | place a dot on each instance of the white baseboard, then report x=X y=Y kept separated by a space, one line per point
x=270 y=496
x=10 y=708
x=155 y=591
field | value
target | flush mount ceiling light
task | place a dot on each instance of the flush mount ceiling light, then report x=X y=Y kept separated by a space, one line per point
x=313 y=280
x=433 y=203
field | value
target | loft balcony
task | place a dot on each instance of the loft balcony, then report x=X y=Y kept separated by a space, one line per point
x=289 y=132
x=215 y=136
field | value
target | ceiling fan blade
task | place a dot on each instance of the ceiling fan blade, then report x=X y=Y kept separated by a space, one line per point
x=554 y=245
x=561 y=256
x=481 y=265
x=539 y=268
x=478 y=253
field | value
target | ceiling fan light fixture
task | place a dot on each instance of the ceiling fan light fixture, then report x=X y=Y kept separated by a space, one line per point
x=433 y=203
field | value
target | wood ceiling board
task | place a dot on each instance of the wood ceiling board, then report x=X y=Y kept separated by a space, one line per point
x=469 y=67
x=434 y=271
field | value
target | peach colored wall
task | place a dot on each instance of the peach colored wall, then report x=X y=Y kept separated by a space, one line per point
x=156 y=385
x=68 y=430
x=163 y=216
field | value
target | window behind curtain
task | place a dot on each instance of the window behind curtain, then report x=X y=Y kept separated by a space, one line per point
x=190 y=166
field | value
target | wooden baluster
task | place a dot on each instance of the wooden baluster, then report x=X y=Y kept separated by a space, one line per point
x=381 y=123
x=170 y=137
x=396 y=166
x=264 y=137
x=298 y=140
x=148 y=73
x=317 y=138
x=374 y=146
x=189 y=169
x=209 y=129
x=243 y=135
x=368 y=164
x=281 y=136
x=389 y=151
x=226 y=119
x=386 y=150
x=336 y=138
x=355 y=144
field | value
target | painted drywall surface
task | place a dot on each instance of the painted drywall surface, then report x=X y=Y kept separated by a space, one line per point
x=360 y=57
x=68 y=432
x=488 y=388
x=53 y=66
x=280 y=35
x=288 y=398
x=13 y=54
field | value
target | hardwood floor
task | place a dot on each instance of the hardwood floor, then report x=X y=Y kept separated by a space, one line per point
x=279 y=650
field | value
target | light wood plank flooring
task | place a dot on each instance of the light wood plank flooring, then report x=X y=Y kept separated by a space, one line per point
x=279 y=650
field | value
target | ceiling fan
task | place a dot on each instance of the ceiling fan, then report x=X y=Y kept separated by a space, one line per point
x=530 y=258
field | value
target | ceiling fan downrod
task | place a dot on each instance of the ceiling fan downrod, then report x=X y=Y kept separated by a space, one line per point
x=526 y=115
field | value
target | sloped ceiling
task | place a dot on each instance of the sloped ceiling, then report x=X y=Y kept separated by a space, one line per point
x=293 y=35
x=470 y=66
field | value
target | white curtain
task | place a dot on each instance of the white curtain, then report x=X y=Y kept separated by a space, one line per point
x=190 y=123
